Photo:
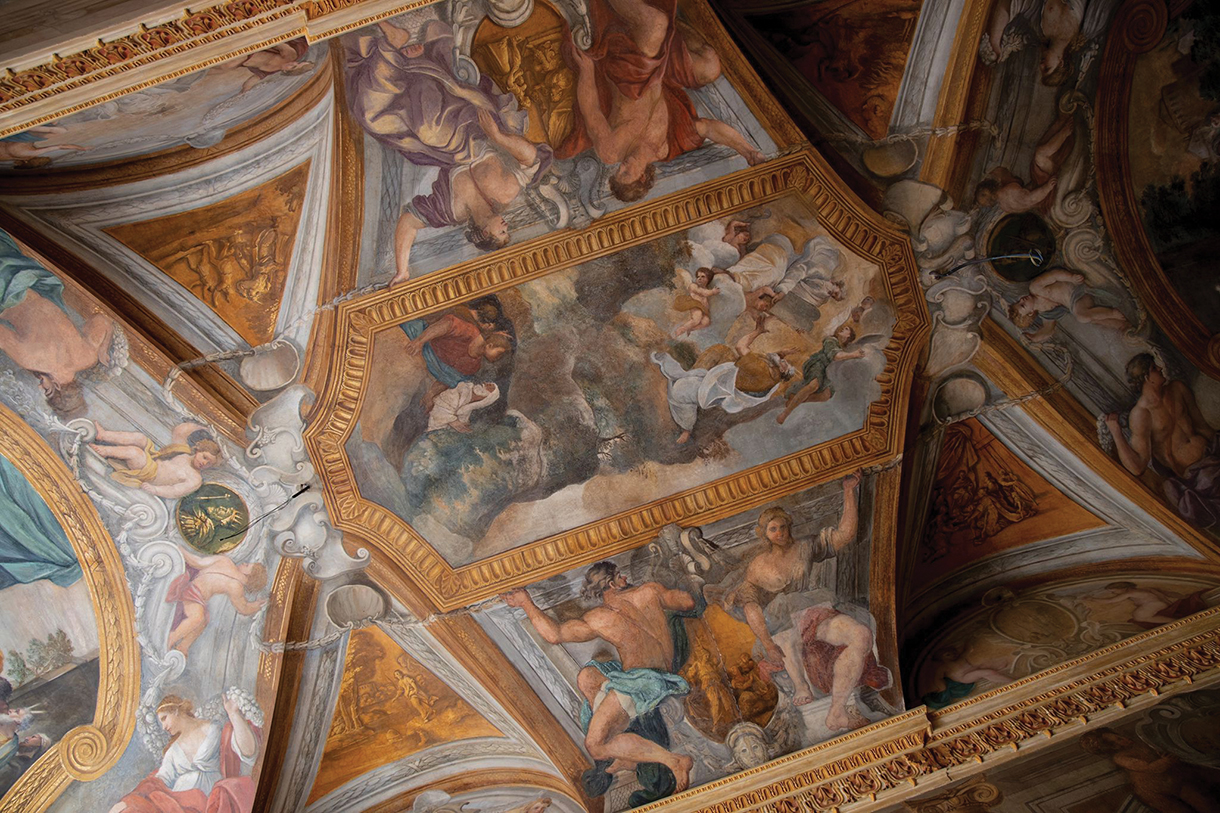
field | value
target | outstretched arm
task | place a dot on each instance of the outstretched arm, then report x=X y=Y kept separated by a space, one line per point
x=1014 y=197
x=552 y=631
x=1044 y=332
x=237 y=595
x=846 y=530
x=197 y=561
x=679 y=600
x=722 y=133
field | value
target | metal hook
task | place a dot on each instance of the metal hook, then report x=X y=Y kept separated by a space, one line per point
x=1033 y=255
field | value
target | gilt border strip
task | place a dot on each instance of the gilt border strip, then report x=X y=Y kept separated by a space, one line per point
x=202 y=38
x=86 y=751
x=804 y=174
x=907 y=755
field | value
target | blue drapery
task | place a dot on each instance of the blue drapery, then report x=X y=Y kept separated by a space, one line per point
x=33 y=545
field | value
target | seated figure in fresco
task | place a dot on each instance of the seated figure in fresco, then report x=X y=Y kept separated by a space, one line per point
x=1061 y=28
x=1054 y=294
x=171 y=472
x=729 y=378
x=632 y=105
x=38 y=332
x=624 y=728
x=1169 y=433
x=206 y=577
x=283 y=57
x=1150 y=607
x=797 y=625
x=952 y=675
x=454 y=349
x=204 y=767
x=1161 y=781
x=408 y=97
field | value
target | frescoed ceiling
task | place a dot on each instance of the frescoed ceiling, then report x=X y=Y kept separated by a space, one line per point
x=582 y=405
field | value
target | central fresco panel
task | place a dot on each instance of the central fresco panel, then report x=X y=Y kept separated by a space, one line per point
x=521 y=414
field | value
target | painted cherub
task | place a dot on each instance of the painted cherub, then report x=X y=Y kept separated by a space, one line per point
x=1054 y=294
x=205 y=577
x=695 y=302
x=171 y=472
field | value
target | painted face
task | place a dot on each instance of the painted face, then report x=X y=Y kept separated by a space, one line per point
x=171 y=721
x=985 y=197
x=47 y=384
x=203 y=460
x=739 y=238
x=750 y=751
x=778 y=533
x=497 y=227
x=1156 y=376
x=836 y=293
x=844 y=335
x=494 y=352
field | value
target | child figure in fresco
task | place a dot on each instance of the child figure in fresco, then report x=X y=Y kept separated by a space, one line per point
x=205 y=577
x=695 y=302
x=170 y=472
x=1054 y=294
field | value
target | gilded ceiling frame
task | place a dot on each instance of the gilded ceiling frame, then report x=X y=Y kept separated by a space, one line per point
x=87 y=751
x=912 y=753
x=804 y=174
x=1137 y=29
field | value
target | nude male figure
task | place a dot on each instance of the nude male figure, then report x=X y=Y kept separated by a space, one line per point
x=1160 y=781
x=1167 y=426
x=636 y=132
x=632 y=620
x=37 y=333
x=170 y=472
x=1148 y=602
x=214 y=576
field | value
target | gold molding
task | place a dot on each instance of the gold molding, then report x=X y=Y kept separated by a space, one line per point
x=955 y=93
x=1138 y=27
x=883 y=575
x=804 y=174
x=1010 y=367
x=905 y=756
x=344 y=223
x=87 y=751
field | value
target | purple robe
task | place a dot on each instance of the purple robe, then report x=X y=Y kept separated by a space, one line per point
x=419 y=108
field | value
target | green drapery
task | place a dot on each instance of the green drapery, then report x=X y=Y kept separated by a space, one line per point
x=33 y=545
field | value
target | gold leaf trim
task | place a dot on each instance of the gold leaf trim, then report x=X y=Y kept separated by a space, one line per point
x=803 y=174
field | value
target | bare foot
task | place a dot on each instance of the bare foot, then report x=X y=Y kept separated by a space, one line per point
x=681 y=768
x=683 y=438
x=400 y=277
x=783 y=416
x=839 y=719
x=802 y=699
